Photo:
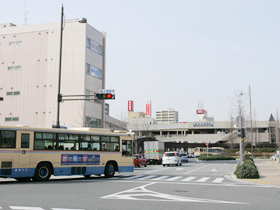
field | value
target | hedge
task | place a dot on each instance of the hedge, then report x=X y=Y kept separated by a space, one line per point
x=247 y=170
x=216 y=157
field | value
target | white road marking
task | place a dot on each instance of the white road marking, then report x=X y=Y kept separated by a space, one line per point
x=203 y=179
x=156 y=170
x=147 y=177
x=188 y=179
x=218 y=180
x=174 y=178
x=25 y=208
x=179 y=169
x=133 y=177
x=140 y=193
x=199 y=168
x=160 y=178
x=0 y=207
x=214 y=170
x=65 y=209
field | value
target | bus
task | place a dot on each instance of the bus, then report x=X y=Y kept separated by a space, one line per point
x=37 y=153
x=211 y=151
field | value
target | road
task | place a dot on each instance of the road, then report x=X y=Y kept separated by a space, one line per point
x=194 y=185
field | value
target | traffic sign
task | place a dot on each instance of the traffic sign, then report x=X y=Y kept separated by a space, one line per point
x=207 y=144
x=107 y=91
x=240 y=121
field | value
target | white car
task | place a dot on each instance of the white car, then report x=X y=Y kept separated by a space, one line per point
x=171 y=158
x=273 y=157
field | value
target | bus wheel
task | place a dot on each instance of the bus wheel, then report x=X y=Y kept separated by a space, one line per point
x=109 y=170
x=43 y=172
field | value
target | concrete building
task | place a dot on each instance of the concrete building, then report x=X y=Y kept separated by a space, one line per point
x=167 y=116
x=29 y=64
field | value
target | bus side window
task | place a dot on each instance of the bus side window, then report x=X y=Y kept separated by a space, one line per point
x=24 y=140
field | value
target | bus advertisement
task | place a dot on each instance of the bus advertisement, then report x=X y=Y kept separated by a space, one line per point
x=37 y=153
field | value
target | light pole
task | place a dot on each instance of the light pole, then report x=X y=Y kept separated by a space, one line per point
x=59 y=95
x=252 y=149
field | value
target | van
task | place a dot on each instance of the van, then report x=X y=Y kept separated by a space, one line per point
x=171 y=158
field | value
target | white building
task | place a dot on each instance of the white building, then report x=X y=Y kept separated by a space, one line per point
x=29 y=66
x=167 y=116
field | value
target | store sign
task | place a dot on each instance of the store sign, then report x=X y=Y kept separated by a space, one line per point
x=130 y=106
x=203 y=124
x=200 y=111
x=148 y=108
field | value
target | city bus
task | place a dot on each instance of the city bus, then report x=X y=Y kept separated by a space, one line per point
x=37 y=153
x=211 y=151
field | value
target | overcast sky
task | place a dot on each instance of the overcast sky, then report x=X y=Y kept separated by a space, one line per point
x=177 y=53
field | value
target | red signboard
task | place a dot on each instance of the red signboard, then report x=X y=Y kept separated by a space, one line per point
x=207 y=144
x=200 y=111
x=148 y=108
x=130 y=106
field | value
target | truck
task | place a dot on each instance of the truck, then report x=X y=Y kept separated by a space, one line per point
x=153 y=151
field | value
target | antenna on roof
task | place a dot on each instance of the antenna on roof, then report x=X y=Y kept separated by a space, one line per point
x=25 y=15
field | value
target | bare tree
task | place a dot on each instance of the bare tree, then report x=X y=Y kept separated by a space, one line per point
x=122 y=119
x=81 y=119
x=231 y=129
x=238 y=104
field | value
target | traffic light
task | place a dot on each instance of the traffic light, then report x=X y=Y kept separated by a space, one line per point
x=104 y=96
x=1 y=98
x=241 y=132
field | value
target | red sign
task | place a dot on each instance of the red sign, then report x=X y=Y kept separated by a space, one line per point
x=130 y=106
x=207 y=144
x=200 y=111
x=148 y=108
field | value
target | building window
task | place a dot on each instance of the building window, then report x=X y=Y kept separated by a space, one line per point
x=93 y=71
x=15 y=43
x=8 y=119
x=15 y=93
x=14 y=67
x=88 y=92
x=94 y=46
x=93 y=122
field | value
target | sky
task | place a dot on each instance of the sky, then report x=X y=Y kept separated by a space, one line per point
x=178 y=53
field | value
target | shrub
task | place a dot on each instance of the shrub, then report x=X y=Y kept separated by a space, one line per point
x=216 y=157
x=247 y=170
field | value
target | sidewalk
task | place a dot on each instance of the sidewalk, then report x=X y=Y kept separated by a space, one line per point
x=269 y=172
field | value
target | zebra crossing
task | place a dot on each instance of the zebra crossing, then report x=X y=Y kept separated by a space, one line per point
x=36 y=208
x=170 y=178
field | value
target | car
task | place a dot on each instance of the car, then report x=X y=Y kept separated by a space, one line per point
x=139 y=160
x=184 y=157
x=171 y=158
x=191 y=155
x=273 y=157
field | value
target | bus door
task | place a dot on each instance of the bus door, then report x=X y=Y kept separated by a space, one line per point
x=25 y=147
x=127 y=153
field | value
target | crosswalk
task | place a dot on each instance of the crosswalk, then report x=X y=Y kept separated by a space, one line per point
x=171 y=178
x=36 y=208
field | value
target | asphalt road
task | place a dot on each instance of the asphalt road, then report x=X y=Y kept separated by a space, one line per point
x=194 y=185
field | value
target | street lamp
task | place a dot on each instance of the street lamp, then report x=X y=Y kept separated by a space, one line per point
x=59 y=96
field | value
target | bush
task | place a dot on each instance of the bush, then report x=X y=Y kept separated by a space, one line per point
x=247 y=170
x=216 y=157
